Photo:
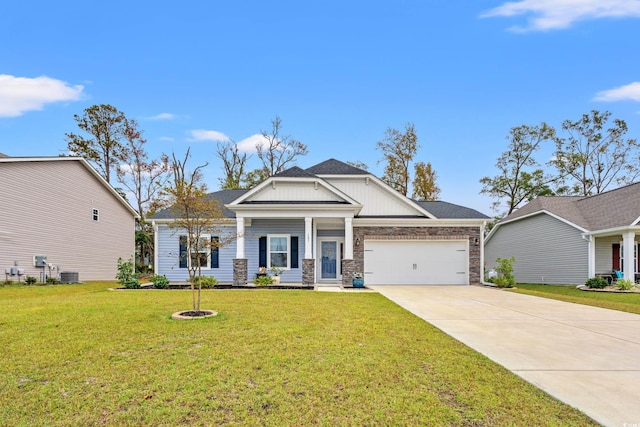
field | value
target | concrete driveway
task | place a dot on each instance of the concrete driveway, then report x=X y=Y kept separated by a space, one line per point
x=585 y=356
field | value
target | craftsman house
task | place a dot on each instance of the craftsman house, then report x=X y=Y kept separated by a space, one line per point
x=323 y=224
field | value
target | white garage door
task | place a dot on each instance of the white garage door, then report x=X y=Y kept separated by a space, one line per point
x=416 y=262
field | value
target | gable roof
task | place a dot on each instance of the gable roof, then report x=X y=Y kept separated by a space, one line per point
x=84 y=163
x=445 y=210
x=335 y=167
x=322 y=176
x=610 y=209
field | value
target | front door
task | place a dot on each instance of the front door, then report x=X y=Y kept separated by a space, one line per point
x=330 y=256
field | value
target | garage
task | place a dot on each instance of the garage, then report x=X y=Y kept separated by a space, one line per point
x=416 y=262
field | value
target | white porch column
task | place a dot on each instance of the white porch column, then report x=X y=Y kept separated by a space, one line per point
x=591 y=251
x=348 y=238
x=308 y=241
x=240 y=238
x=627 y=241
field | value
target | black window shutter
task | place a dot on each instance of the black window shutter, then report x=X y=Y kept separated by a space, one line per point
x=294 y=251
x=183 y=252
x=262 y=256
x=215 y=251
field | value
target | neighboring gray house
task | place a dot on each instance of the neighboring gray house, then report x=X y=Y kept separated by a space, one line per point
x=323 y=224
x=62 y=209
x=566 y=240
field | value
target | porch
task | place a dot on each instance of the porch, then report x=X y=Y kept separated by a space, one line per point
x=608 y=253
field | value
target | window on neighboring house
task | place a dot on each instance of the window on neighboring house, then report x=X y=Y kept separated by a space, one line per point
x=205 y=255
x=95 y=214
x=278 y=251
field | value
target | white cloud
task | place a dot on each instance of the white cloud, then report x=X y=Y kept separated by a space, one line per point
x=208 y=135
x=560 y=14
x=248 y=145
x=622 y=93
x=21 y=94
x=162 y=116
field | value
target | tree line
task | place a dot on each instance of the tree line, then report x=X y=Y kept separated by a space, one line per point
x=590 y=155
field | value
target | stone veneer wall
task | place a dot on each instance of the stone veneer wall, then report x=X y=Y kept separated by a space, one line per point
x=240 y=271
x=348 y=268
x=417 y=233
x=308 y=271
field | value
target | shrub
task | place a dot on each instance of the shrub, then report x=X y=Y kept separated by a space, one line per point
x=160 y=282
x=30 y=280
x=596 y=283
x=53 y=281
x=263 y=281
x=625 y=284
x=6 y=282
x=504 y=269
x=206 y=282
x=126 y=274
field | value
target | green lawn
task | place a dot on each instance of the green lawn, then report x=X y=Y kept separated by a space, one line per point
x=84 y=355
x=629 y=302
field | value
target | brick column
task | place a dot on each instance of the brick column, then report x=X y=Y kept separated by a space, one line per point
x=348 y=268
x=308 y=271
x=240 y=267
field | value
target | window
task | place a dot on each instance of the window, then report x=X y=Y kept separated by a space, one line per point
x=278 y=251
x=95 y=215
x=205 y=254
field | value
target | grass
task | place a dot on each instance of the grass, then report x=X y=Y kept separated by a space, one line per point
x=629 y=302
x=84 y=355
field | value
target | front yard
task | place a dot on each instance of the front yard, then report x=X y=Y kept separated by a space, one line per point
x=83 y=355
x=629 y=302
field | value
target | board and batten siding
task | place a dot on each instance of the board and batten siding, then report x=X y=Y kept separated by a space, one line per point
x=47 y=210
x=374 y=198
x=168 y=244
x=546 y=250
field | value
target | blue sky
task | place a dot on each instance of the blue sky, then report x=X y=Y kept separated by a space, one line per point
x=338 y=73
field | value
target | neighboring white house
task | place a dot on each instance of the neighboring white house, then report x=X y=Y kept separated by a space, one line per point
x=566 y=240
x=325 y=223
x=59 y=215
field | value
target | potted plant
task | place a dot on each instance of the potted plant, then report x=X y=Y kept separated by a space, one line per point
x=358 y=280
x=277 y=271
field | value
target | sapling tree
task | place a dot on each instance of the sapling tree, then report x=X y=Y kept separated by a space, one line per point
x=196 y=214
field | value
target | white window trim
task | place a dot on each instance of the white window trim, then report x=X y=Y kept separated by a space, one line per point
x=207 y=249
x=288 y=237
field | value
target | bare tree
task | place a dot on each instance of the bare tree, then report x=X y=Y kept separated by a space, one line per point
x=106 y=125
x=144 y=179
x=278 y=150
x=234 y=163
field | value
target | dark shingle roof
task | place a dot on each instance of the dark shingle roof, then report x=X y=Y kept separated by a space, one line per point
x=445 y=210
x=614 y=208
x=224 y=196
x=295 y=172
x=335 y=167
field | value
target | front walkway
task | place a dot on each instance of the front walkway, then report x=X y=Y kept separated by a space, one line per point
x=585 y=356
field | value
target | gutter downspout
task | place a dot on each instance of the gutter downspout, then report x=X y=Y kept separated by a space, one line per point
x=155 y=247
